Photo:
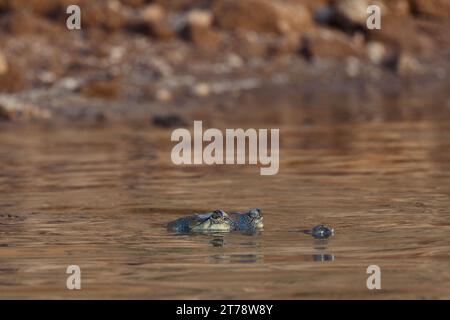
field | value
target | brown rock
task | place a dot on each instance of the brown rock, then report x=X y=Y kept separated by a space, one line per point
x=250 y=44
x=158 y=29
x=311 y=5
x=36 y=7
x=4 y=114
x=12 y=80
x=432 y=8
x=23 y=22
x=284 y=45
x=3 y=64
x=179 y=5
x=107 y=15
x=4 y=6
x=404 y=33
x=133 y=3
x=198 y=29
x=105 y=89
x=409 y=65
x=153 y=22
x=347 y=15
x=200 y=18
x=376 y=51
x=169 y=121
x=329 y=43
x=204 y=38
x=163 y=95
x=400 y=8
x=265 y=16
x=354 y=10
x=153 y=13
x=13 y=109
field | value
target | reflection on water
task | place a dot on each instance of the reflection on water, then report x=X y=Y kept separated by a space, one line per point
x=322 y=252
x=100 y=198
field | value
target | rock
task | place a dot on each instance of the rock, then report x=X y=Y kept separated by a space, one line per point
x=68 y=83
x=329 y=43
x=153 y=22
x=284 y=45
x=201 y=89
x=352 y=67
x=311 y=5
x=108 y=15
x=179 y=5
x=12 y=80
x=169 y=121
x=161 y=67
x=4 y=5
x=376 y=51
x=409 y=65
x=23 y=22
x=354 y=10
x=402 y=62
x=404 y=32
x=347 y=15
x=198 y=29
x=105 y=89
x=305 y=49
x=265 y=16
x=13 y=109
x=154 y=12
x=133 y=3
x=161 y=30
x=4 y=114
x=234 y=61
x=163 y=95
x=401 y=8
x=432 y=8
x=204 y=38
x=46 y=77
x=3 y=64
x=116 y=54
x=37 y=7
x=199 y=18
x=250 y=44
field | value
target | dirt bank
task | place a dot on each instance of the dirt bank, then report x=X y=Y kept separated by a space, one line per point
x=134 y=59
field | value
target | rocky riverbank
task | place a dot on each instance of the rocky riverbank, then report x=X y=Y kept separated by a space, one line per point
x=137 y=59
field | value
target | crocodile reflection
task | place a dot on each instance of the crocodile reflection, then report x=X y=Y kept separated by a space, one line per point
x=252 y=257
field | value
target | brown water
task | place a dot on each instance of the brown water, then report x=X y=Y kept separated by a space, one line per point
x=100 y=198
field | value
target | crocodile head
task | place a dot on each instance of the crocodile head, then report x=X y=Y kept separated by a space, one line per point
x=252 y=219
x=216 y=221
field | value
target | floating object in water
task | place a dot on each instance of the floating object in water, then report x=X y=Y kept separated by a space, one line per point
x=219 y=221
x=216 y=221
x=321 y=232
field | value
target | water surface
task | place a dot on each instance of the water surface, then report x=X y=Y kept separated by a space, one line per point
x=100 y=198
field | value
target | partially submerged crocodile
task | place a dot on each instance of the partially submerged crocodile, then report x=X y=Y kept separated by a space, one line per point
x=218 y=221
x=251 y=220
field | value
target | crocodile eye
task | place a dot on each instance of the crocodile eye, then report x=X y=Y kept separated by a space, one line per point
x=216 y=214
x=255 y=213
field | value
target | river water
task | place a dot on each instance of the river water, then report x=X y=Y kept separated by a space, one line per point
x=99 y=197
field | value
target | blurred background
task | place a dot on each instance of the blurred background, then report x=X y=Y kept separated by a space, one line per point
x=137 y=59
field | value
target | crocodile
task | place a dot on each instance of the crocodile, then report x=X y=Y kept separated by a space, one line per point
x=216 y=221
x=251 y=220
